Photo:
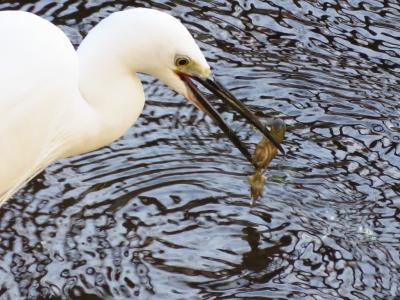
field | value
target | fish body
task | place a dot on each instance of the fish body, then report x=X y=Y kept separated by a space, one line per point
x=264 y=153
x=256 y=181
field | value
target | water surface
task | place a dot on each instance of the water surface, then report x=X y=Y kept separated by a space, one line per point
x=164 y=212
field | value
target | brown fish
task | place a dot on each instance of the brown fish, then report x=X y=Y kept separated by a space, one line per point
x=264 y=153
x=265 y=150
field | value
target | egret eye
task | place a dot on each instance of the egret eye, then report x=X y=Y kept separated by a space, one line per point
x=182 y=61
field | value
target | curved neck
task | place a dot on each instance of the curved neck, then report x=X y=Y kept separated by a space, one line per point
x=115 y=95
x=108 y=83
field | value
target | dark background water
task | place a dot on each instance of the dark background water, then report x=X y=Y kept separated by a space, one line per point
x=164 y=212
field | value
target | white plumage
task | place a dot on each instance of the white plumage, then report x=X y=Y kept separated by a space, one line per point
x=57 y=102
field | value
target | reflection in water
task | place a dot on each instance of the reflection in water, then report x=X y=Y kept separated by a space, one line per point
x=164 y=212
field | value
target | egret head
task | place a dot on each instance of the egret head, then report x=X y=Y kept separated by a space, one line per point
x=166 y=49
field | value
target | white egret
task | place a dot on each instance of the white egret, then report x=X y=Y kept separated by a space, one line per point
x=56 y=102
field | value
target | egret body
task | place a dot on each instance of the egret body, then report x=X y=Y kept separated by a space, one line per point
x=57 y=102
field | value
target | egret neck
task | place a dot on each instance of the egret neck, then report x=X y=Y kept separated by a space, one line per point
x=109 y=84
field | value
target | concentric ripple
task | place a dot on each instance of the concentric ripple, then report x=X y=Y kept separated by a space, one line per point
x=164 y=212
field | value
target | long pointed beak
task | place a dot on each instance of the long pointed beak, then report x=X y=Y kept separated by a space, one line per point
x=217 y=89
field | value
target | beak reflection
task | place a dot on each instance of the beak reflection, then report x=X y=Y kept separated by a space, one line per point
x=218 y=90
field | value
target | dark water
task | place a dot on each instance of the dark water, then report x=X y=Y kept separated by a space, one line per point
x=164 y=212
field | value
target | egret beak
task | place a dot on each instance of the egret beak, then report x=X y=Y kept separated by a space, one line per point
x=202 y=103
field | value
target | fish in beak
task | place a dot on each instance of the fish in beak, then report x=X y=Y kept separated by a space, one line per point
x=218 y=90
